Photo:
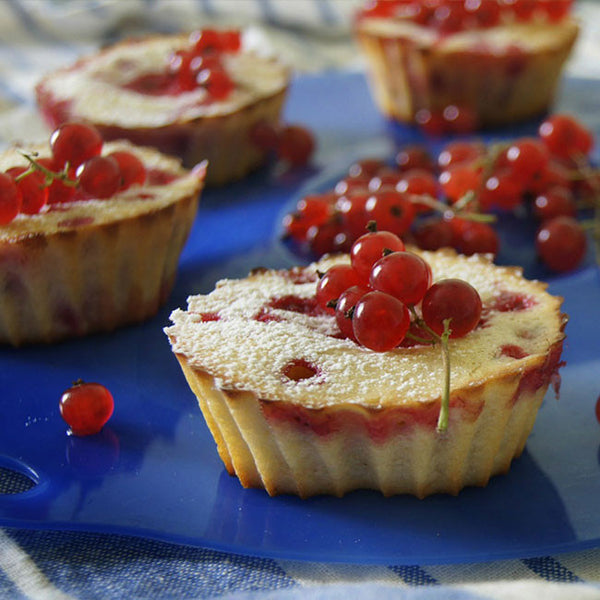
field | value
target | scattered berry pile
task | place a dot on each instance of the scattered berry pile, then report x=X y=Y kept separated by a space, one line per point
x=75 y=171
x=453 y=201
x=86 y=407
x=201 y=64
x=374 y=298
x=450 y=16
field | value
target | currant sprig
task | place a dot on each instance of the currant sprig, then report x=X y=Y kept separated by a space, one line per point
x=75 y=170
x=375 y=300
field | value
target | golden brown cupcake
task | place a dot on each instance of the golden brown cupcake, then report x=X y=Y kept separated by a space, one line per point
x=453 y=68
x=198 y=97
x=85 y=265
x=296 y=408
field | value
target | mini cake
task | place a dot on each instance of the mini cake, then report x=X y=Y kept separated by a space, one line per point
x=82 y=264
x=295 y=407
x=460 y=66
x=198 y=97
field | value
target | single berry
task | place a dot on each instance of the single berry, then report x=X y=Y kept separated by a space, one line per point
x=561 y=243
x=414 y=157
x=380 y=321
x=74 y=143
x=452 y=300
x=10 y=199
x=403 y=275
x=433 y=234
x=330 y=286
x=459 y=179
x=296 y=145
x=33 y=189
x=555 y=202
x=565 y=137
x=344 y=309
x=86 y=407
x=100 y=177
x=131 y=169
x=391 y=210
x=369 y=248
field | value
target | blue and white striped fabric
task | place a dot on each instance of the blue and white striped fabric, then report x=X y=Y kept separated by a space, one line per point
x=37 y=36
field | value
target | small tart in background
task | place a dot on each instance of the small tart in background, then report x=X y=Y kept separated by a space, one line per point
x=494 y=74
x=90 y=265
x=296 y=408
x=130 y=91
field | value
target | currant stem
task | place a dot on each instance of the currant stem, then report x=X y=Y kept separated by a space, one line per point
x=457 y=210
x=50 y=175
x=442 y=424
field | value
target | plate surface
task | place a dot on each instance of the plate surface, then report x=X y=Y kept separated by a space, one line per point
x=154 y=470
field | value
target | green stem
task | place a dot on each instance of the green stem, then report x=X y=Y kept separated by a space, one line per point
x=442 y=424
x=34 y=165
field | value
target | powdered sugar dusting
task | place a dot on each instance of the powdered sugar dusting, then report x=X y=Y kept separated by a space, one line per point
x=244 y=353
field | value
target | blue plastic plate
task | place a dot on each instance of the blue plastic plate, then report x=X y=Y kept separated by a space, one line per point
x=154 y=470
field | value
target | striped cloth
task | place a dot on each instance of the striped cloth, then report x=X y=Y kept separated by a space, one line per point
x=37 y=36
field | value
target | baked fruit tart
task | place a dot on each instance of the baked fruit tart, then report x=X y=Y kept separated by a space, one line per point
x=198 y=97
x=90 y=234
x=454 y=66
x=414 y=373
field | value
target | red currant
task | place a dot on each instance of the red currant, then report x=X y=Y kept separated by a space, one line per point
x=526 y=157
x=414 y=157
x=561 y=243
x=565 y=137
x=392 y=211
x=460 y=152
x=472 y=237
x=369 y=248
x=86 y=407
x=205 y=40
x=555 y=202
x=459 y=179
x=344 y=309
x=336 y=280
x=10 y=199
x=131 y=168
x=327 y=238
x=454 y=300
x=367 y=168
x=100 y=177
x=380 y=321
x=216 y=81
x=74 y=143
x=353 y=213
x=500 y=190
x=403 y=275
x=433 y=234
x=296 y=145
x=420 y=183
x=33 y=190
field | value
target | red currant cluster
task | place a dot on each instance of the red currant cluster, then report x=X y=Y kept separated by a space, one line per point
x=451 y=201
x=201 y=64
x=75 y=171
x=374 y=299
x=450 y=16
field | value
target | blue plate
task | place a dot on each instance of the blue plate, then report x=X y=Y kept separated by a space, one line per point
x=154 y=471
